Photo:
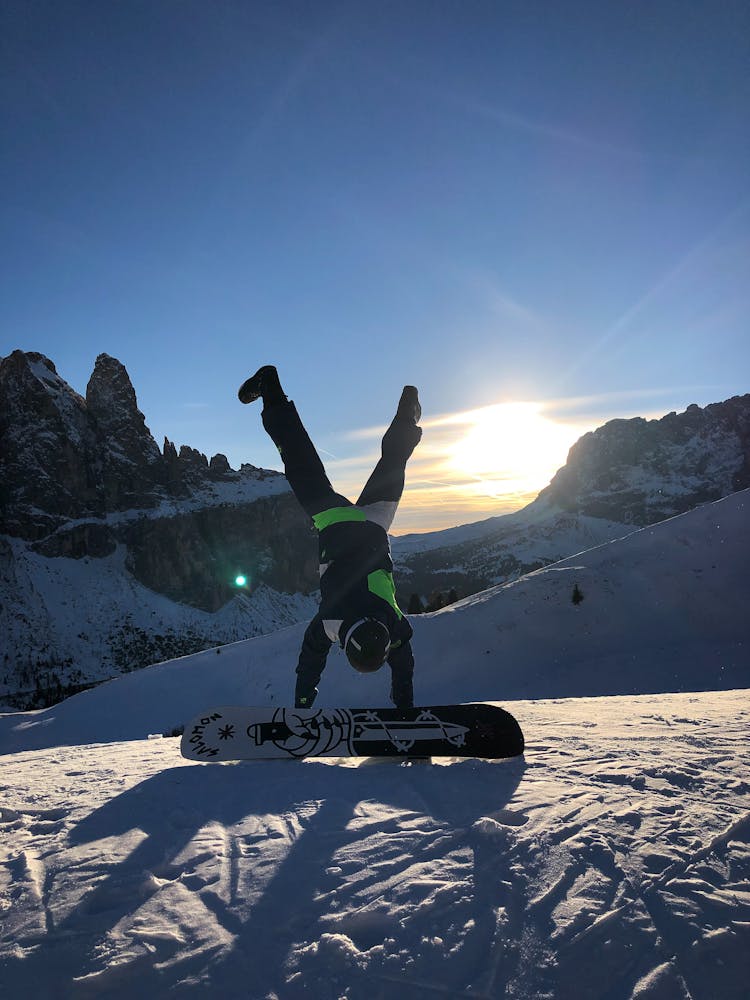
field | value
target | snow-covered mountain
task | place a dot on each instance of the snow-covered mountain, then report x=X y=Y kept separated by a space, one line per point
x=613 y=860
x=625 y=474
x=114 y=553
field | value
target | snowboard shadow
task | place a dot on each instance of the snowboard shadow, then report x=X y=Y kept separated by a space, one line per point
x=317 y=803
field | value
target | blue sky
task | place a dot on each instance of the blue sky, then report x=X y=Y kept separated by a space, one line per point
x=502 y=203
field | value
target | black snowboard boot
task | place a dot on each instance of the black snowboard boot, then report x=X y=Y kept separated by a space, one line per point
x=408 y=406
x=265 y=383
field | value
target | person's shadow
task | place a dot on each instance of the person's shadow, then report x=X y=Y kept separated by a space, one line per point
x=255 y=926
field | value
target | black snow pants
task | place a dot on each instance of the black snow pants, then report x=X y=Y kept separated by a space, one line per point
x=307 y=476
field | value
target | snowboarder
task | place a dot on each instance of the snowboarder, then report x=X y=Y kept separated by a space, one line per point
x=358 y=606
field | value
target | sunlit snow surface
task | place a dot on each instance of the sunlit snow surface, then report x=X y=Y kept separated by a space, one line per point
x=616 y=855
x=612 y=861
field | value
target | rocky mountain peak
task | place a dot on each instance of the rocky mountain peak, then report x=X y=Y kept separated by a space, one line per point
x=65 y=459
x=44 y=441
x=219 y=466
x=112 y=404
x=639 y=471
x=33 y=365
x=110 y=391
x=32 y=389
x=128 y=456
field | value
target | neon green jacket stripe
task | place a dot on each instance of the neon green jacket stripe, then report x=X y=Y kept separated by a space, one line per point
x=335 y=515
x=381 y=584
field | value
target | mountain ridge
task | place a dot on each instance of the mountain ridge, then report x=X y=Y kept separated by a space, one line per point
x=156 y=537
x=625 y=474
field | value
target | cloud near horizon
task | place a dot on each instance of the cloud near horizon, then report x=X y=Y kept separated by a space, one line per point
x=466 y=467
x=484 y=462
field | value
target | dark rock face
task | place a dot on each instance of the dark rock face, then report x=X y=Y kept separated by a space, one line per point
x=88 y=539
x=219 y=467
x=46 y=448
x=78 y=477
x=127 y=463
x=641 y=471
x=66 y=457
x=194 y=558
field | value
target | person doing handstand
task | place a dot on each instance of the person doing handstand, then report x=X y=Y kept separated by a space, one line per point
x=358 y=608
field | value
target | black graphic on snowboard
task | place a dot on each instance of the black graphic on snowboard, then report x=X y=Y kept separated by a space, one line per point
x=238 y=733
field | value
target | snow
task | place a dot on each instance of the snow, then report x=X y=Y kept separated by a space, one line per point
x=611 y=861
x=66 y=401
x=498 y=549
x=618 y=852
x=539 y=520
x=236 y=489
x=93 y=606
x=58 y=611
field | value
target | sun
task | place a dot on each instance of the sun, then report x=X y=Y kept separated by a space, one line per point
x=512 y=447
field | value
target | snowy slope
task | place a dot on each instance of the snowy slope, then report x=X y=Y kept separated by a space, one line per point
x=612 y=861
x=538 y=533
x=476 y=556
x=664 y=609
x=94 y=613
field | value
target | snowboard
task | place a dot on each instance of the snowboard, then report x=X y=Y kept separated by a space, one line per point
x=241 y=733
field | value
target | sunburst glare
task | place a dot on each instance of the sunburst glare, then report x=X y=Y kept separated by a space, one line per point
x=512 y=447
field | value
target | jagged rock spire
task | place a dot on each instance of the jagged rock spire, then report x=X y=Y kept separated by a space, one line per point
x=111 y=402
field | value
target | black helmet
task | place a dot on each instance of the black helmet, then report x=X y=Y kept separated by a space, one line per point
x=367 y=644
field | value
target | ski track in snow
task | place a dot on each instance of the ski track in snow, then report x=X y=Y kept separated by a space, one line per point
x=613 y=861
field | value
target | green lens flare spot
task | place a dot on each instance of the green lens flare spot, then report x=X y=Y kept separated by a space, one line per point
x=240 y=580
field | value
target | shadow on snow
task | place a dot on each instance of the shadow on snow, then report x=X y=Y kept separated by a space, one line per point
x=260 y=925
